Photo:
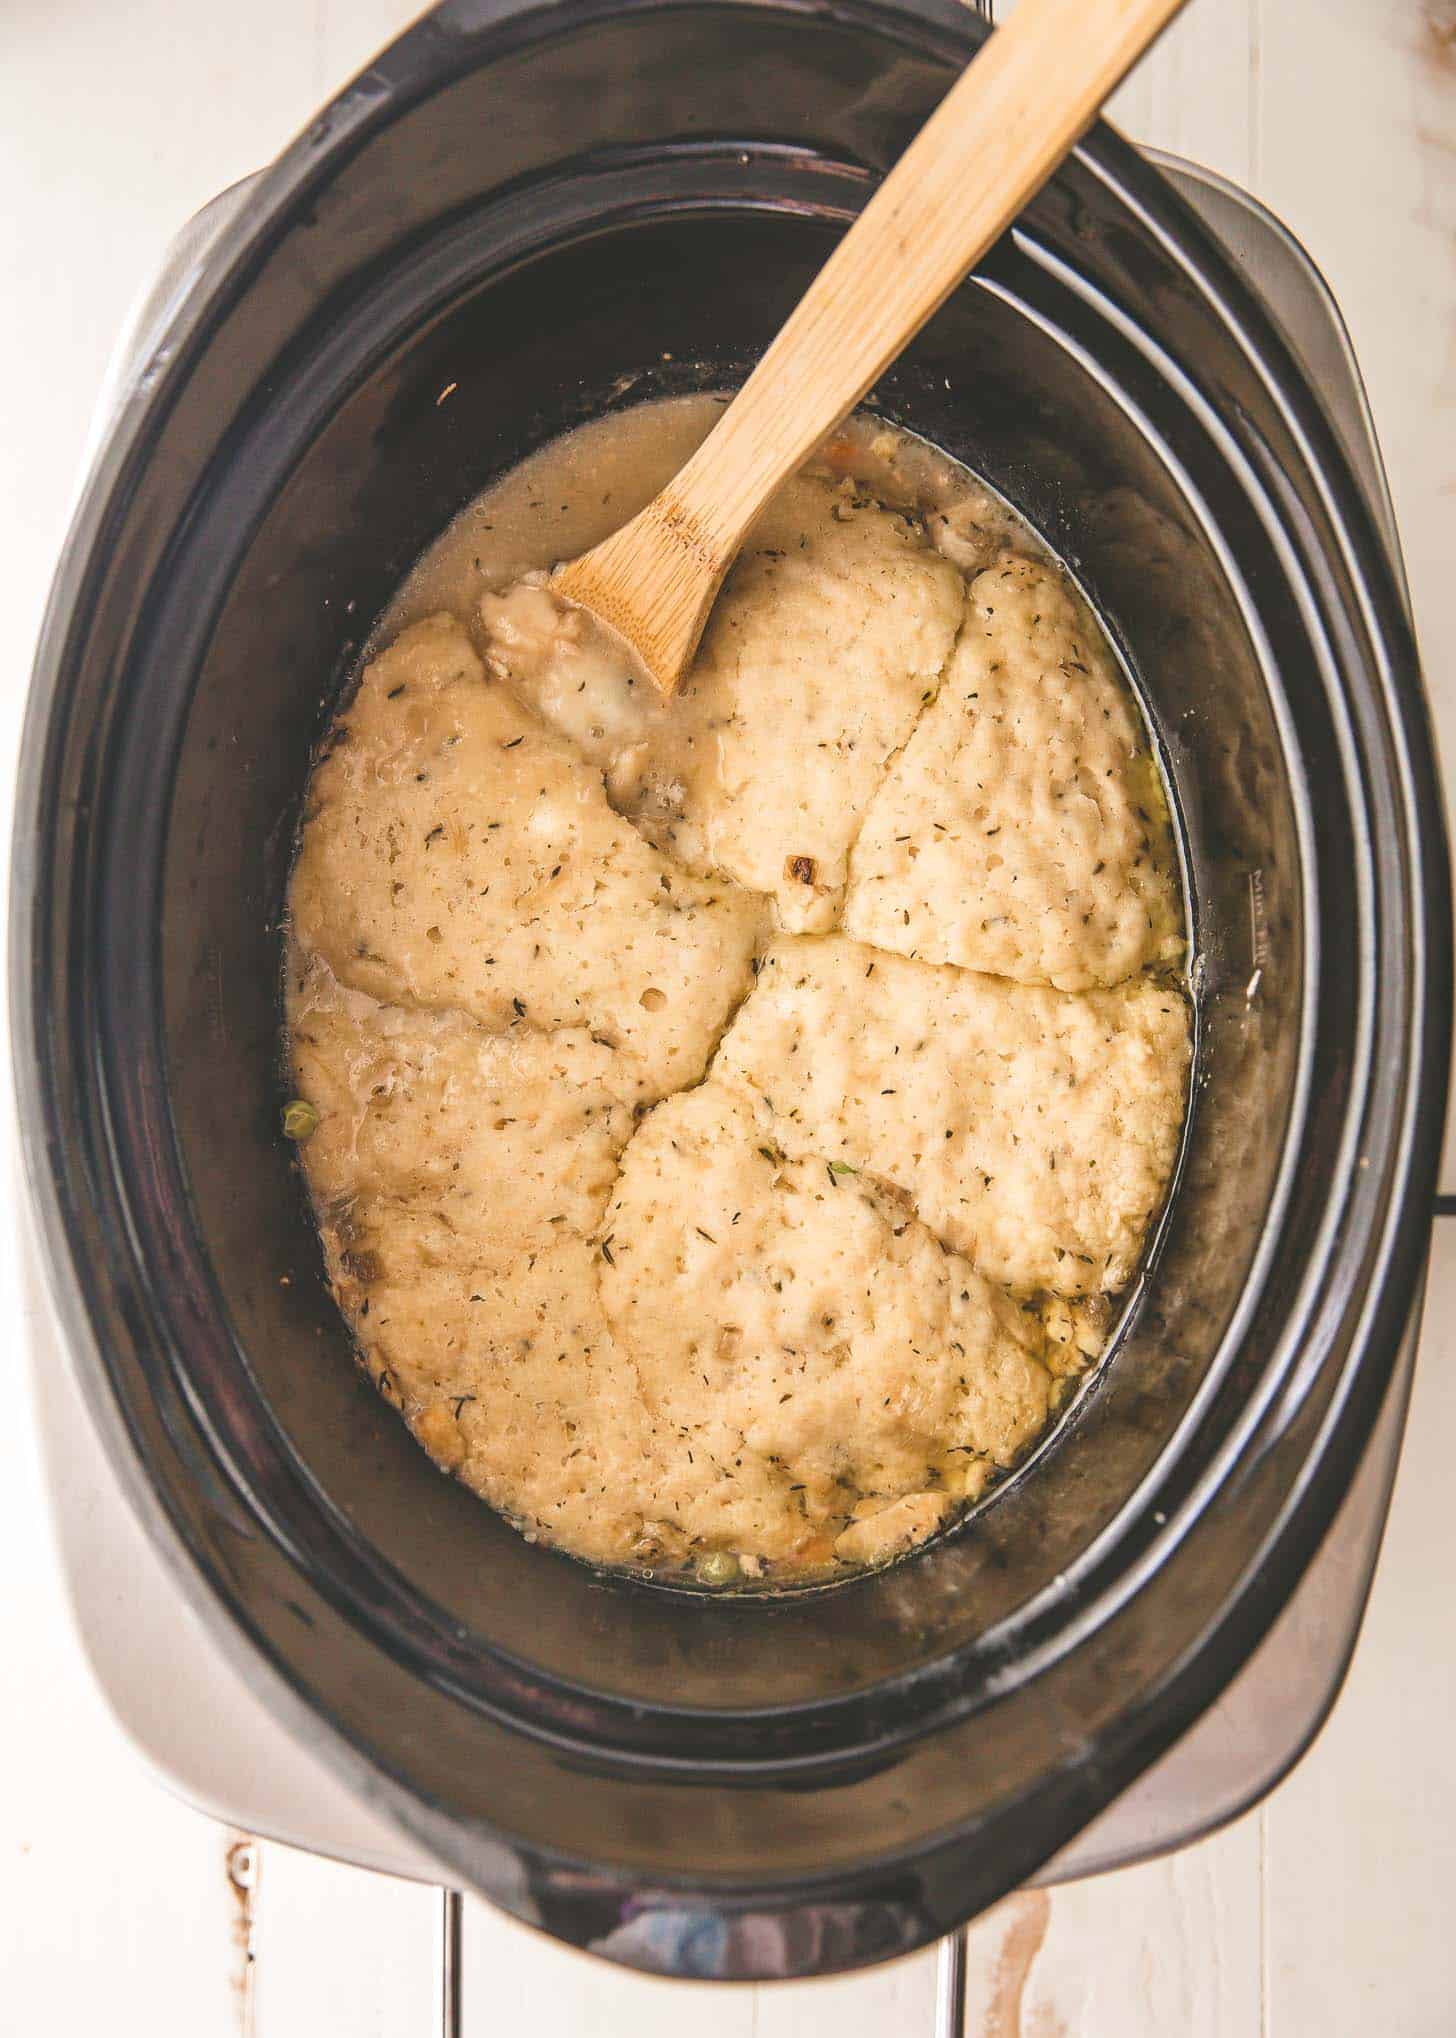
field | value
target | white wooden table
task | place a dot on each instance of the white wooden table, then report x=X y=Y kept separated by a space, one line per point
x=1329 y=1911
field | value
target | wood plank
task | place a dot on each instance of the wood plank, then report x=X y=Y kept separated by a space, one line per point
x=117 y=1913
x=1168 y=1946
x=517 y=1981
x=1356 y=151
x=1193 y=93
x=895 y=1999
x=117 y=1909
x=1362 y=1837
x=341 y=1951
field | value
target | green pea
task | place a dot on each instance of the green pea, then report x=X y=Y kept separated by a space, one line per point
x=718 y=1567
x=300 y=1120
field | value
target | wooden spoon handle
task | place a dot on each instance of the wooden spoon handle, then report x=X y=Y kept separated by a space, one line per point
x=993 y=141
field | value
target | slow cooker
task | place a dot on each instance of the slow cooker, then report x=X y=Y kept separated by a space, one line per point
x=547 y=211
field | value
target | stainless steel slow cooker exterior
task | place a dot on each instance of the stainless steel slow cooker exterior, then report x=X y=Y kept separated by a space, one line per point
x=537 y=205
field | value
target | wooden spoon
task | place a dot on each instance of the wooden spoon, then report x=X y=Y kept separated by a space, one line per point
x=1031 y=93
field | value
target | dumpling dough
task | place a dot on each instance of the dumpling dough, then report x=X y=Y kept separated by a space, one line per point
x=460 y=1177
x=458 y=854
x=1022 y=830
x=1034 y=1132
x=792 y=1312
x=683 y=1241
x=829 y=638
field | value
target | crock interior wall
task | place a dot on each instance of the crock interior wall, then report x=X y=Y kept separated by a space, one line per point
x=530 y=355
